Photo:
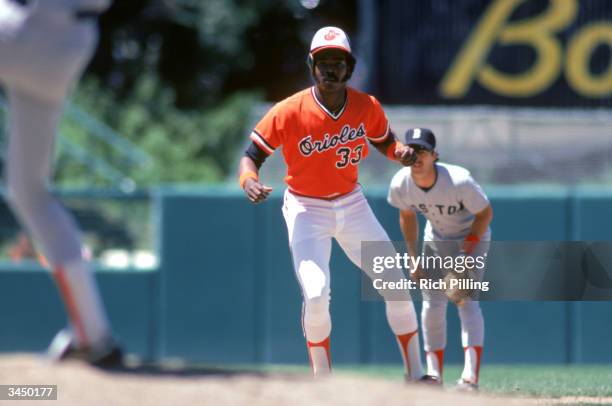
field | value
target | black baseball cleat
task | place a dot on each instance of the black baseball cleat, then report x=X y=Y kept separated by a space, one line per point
x=424 y=380
x=464 y=385
x=63 y=348
x=113 y=358
x=430 y=380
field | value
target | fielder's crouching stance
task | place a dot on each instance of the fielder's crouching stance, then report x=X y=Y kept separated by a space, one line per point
x=323 y=131
x=458 y=215
x=44 y=46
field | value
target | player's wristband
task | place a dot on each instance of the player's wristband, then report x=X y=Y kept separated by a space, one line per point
x=391 y=150
x=470 y=242
x=247 y=175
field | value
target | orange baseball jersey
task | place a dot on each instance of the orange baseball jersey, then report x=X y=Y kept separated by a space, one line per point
x=322 y=150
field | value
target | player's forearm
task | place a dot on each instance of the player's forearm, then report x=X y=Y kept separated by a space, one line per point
x=395 y=150
x=383 y=147
x=247 y=164
x=410 y=231
x=249 y=181
x=247 y=170
x=481 y=223
x=389 y=147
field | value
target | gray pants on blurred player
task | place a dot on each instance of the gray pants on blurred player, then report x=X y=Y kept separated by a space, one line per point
x=44 y=47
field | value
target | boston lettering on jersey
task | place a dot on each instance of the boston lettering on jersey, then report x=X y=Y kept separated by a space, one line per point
x=441 y=208
x=307 y=146
x=449 y=206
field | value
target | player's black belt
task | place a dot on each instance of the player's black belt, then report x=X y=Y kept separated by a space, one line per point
x=86 y=14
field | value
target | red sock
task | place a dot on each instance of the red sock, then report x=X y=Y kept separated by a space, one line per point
x=320 y=358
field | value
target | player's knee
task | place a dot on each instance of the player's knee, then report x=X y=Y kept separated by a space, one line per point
x=433 y=306
x=470 y=309
x=402 y=307
x=317 y=320
x=22 y=196
x=401 y=316
x=317 y=306
x=14 y=192
x=433 y=314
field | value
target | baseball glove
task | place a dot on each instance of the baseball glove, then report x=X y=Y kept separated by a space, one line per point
x=410 y=160
x=456 y=290
x=406 y=156
x=458 y=285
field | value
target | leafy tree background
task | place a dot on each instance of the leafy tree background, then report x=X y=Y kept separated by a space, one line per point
x=179 y=78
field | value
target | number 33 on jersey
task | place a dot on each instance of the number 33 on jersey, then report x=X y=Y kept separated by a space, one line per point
x=322 y=150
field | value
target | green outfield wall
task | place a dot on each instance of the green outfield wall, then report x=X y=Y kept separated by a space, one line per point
x=225 y=290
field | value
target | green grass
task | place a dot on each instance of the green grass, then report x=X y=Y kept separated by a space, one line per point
x=549 y=381
x=519 y=380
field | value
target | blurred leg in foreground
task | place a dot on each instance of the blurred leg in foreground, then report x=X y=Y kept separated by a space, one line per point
x=44 y=46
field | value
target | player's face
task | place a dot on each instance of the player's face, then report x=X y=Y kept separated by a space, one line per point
x=330 y=70
x=425 y=160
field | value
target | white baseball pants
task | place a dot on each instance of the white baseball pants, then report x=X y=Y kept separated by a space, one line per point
x=311 y=224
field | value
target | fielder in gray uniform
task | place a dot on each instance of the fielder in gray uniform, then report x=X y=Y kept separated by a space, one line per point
x=458 y=215
x=44 y=47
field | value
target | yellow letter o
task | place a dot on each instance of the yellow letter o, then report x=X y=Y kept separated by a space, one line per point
x=579 y=52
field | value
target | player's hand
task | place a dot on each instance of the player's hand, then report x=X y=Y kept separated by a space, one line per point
x=255 y=191
x=405 y=155
x=417 y=274
x=457 y=295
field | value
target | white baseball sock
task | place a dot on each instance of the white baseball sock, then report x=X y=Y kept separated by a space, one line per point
x=472 y=338
x=435 y=363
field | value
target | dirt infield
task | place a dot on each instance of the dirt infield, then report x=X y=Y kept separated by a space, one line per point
x=80 y=384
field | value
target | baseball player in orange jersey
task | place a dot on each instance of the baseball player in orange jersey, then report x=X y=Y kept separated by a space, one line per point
x=324 y=133
x=44 y=46
x=458 y=216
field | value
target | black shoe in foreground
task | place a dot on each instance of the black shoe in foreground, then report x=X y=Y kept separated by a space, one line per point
x=111 y=359
x=63 y=347
x=430 y=380
x=425 y=380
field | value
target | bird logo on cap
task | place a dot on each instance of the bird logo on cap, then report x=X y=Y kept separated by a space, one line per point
x=331 y=34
